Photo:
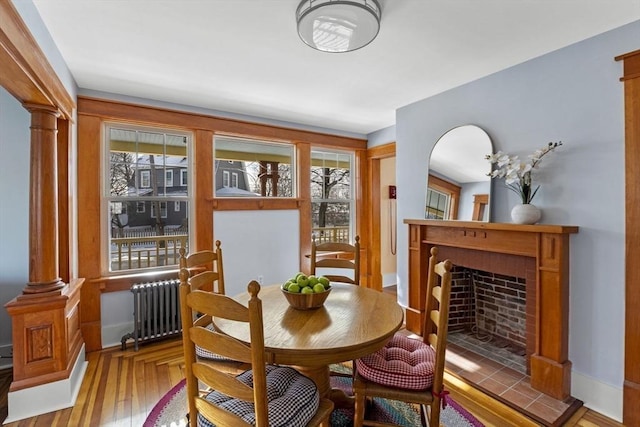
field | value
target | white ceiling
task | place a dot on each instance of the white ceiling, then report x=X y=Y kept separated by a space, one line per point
x=245 y=57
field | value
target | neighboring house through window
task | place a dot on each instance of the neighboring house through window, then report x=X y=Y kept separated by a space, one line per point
x=247 y=167
x=142 y=232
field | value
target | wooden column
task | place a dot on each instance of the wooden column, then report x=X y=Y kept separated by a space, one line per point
x=631 y=386
x=43 y=202
x=46 y=317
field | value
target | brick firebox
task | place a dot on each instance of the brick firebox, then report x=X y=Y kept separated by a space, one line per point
x=498 y=307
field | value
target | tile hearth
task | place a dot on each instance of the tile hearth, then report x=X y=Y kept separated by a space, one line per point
x=507 y=385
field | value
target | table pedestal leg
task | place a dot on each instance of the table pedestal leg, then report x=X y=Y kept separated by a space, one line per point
x=320 y=375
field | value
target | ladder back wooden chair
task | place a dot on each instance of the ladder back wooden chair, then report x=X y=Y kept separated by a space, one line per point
x=407 y=369
x=334 y=255
x=205 y=268
x=206 y=272
x=265 y=395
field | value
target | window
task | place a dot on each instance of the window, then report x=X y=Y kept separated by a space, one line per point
x=139 y=186
x=145 y=179
x=163 y=209
x=332 y=198
x=442 y=199
x=251 y=168
x=437 y=205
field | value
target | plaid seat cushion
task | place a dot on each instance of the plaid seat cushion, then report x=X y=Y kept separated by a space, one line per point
x=403 y=363
x=293 y=399
x=206 y=354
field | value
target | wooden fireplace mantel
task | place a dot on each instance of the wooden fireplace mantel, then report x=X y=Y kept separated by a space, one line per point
x=547 y=245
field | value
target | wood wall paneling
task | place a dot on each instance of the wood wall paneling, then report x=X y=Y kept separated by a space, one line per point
x=65 y=200
x=89 y=239
x=303 y=161
x=363 y=210
x=203 y=174
x=631 y=386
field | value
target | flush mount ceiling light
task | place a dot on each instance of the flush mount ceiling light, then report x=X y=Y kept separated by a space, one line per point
x=338 y=25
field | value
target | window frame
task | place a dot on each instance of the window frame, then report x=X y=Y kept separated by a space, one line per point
x=184 y=177
x=449 y=189
x=292 y=154
x=351 y=201
x=106 y=198
x=145 y=176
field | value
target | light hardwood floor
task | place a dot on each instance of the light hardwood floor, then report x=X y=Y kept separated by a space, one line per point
x=121 y=387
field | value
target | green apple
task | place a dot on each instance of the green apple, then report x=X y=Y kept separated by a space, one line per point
x=306 y=290
x=294 y=288
x=285 y=286
x=325 y=282
x=318 y=288
x=313 y=280
x=303 y=281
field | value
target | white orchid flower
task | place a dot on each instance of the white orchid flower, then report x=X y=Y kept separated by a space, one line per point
x=517 y=174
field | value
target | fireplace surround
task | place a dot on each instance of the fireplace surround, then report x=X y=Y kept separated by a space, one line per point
x=537 y=253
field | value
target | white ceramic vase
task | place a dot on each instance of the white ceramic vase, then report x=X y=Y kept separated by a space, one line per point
x=525 y=213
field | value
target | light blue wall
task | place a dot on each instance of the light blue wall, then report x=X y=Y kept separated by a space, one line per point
x=573 y=95
x=14 y=196
x=382 y=136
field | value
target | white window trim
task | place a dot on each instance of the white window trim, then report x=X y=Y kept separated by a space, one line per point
x=168 y=178
x=145 y=176
x=153 y=209
x=183 y=177
x=226 y=178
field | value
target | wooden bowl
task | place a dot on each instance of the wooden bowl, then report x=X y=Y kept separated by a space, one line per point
x=306 y=301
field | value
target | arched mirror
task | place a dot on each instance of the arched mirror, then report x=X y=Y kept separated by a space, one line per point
x=458 y=185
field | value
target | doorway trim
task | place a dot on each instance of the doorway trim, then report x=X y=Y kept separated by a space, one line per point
x=631 y=386
x=374 y=156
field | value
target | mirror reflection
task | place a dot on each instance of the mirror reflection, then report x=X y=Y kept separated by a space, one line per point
x=458 y=186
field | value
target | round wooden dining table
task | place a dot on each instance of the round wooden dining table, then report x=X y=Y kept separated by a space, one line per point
x=353 y=322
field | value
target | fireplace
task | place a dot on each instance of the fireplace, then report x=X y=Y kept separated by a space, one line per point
x=537 y=255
